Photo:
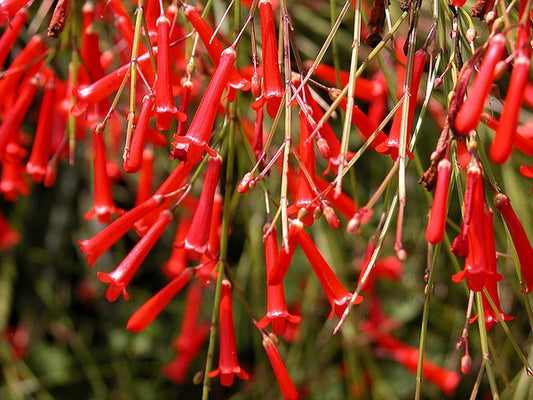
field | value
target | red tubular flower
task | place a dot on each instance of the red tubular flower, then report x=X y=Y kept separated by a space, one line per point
x=480 y=261
x=185 y=97
x=103 y=200
x=11 y=34
x=153 y=307
x=103 y=240
x=177 y=261
x=133 y=160
x=12 y=181
x=176 y=371
x=27 y=63
x=337 y=295
x=502 y=145
x=518 y=235
x=272 y=86
x=89 y=47
x=8 y=236
x=209 y=260
x=146 y=177
x=491 y=316
x=105 y=86
x=283 y=259
x=214 y=47
x=164 y=98
x=437 y=215
x=173 y=183
x=191 y=147
x=13 y=119
x=288 y=390
x=470 y=112
x=228 y=365
x=365 y=89
x=392 y=144
x=364 y=124
x=40 y=152
x=277 y=311
x=196 y=240
x=122 y=275
x=406 y=355
x=190 y=318
x=304 y=196
x=8 y=8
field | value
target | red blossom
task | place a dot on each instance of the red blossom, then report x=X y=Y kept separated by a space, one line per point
x=196 y=240
x=151 y=309
x=122 y=275
x=337 y=295
x=228 y=365
x=288 y=390
x=272 y=87
x=103 y=205
x=277 y=312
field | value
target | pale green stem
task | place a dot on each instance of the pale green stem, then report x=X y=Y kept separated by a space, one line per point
x=485 y=347
x=288 y=125
x=425 y=318
x=133 y=75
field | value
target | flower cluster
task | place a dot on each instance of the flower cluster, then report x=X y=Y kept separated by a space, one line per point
x=209 y=135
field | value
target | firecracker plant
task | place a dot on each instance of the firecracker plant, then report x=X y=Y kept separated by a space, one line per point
x=266 y=199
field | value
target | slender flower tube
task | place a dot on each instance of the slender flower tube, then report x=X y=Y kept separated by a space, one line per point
x=191 y=147
x=304 y=196
x=103 y=200
x=470 y=112
x=153 y=307
x=214 y=47
x=209 y=259
x=12 y=120
x=480 y=261
x=133 y=160
x=406 y=355
x=272 y=87
x=364 y=124
x=11 y=34
x=228 y=364
x=365 y=89
x=89 y=47
x=13 y=181
x=177 y=261
x=196 y=240
x=437 y=216
x=518 y=235
x=277 y=311
x=40 y=152
x=392 y=144
x=502 y=145
x=103 y=240
x=288 y=390
x=189 y=325
x=185 y=98
x=173 y=183
x=337 y=295
x=283 y=259
x=165 y=107
x=146 y=177
x=8 y=8
x=105 y=86
x=122 y=275
x=27 y=63
x=176 y=370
